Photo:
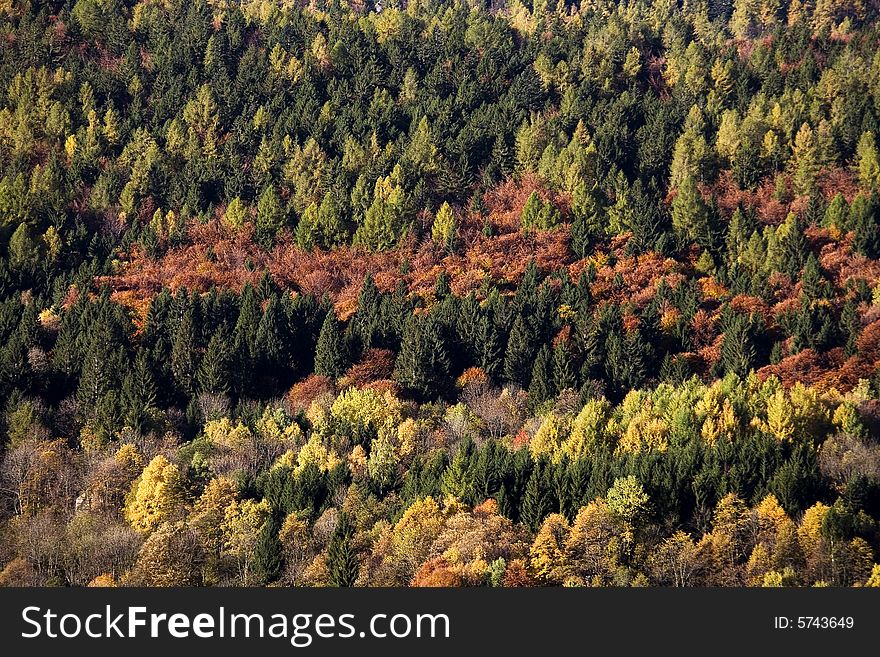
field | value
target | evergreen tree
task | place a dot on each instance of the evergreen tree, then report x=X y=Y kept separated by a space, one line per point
x=520 y=352
x=851 y=327
x=215 y=370
x=541 y=386
x=270 y=216
x=139 y=395
x=536 y=500
x=342 y=563
x=490 y=350
x=268 y=558
x=422 y=366
x=564 y=377
x=184 y=364
x=330 y=357
x=690 y=214
x=738 y=354
x=866 y=224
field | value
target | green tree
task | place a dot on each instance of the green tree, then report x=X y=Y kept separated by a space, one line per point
x=422 y=366
x=330 y=357
x=342 y=562
x=444 y=228
x=270 y=216
x=268 y=555
x=541 y=385
x=868 y=162
x=689 y=212
x=520 y=352
x=215 y=369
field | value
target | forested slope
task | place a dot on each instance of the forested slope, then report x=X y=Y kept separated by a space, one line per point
x=439 y=293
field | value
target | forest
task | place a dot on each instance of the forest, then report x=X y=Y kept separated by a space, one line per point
x=440 y=293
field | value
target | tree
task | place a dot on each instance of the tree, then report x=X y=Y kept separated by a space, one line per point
x=548 y=555
x=270 y=216
x=341 y=559
x=865 y=222
x=518 y=357
x=171 y=556
x=738 y=354
x=536 y=500
x=422 y=366
x=214 y=374
x=564 y=377
x=690 y=214
x=157 y=496
x=868 y=162
x=139 y=393
x=385 y=221
x=541 y=385
x=805 y=162
x=444 y=228
x=330 y=356
x=268 y=560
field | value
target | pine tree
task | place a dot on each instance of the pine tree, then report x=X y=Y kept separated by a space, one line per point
x=330 y=359
x=836 y=214
x=536 y=500
x=270 y=216
x=490 y=350
x=422 y=366
x=795 y=246
x=564 y=377
x=214 y=372
x=531 y=210
x=342 y=563
x=541 y=385
x=813 y=284
x=270 y=340
x=738 y=353
x=368 y=318
x=268 y=557
x=851 y=327
x=689 y=213
x=518 y=357
x=805 y=161
x=866 y=225
x=184 y=363
x=139 y=393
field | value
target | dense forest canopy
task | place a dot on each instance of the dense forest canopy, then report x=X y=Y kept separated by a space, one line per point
x=440 y=293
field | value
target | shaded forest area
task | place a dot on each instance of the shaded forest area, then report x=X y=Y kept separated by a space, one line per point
x=439 y=294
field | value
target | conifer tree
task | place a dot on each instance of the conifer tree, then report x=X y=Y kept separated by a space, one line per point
x=564 y=377
x=330 y=357
x=536 y=500
x=738 y=352
x=139 y=395
x=270 y=216
x=342 y=563
x=184 y=364
x=689 y=212
x=215 y=369
x=851 y=326
x=541 y=385
x=422 y=366
x=268 y=558
x=444 y=227
x=518 y=357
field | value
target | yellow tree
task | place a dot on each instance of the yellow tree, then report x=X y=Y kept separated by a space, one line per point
x=548 y=557
x=157 y=496
x=241 y=526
